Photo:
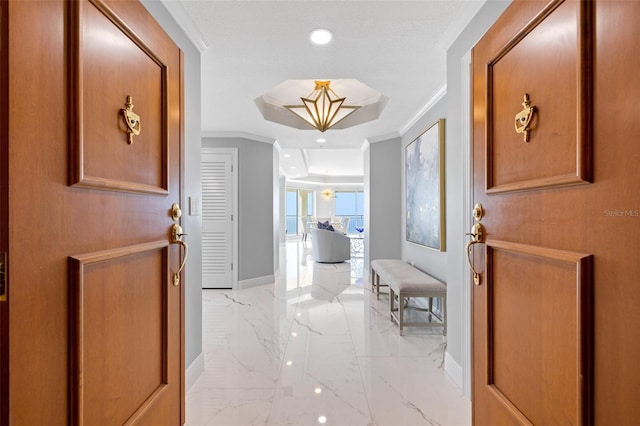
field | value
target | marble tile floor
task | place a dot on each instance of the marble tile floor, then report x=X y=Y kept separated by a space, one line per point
x=316 y=347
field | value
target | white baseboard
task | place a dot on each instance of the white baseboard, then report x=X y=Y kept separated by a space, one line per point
x=453 y=369
x=255 y=282
x=194 y=370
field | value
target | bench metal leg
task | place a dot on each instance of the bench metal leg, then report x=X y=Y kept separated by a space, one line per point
x=391 y=304
x=375 y=283
x=400 y=312
x=396 y=311
x=373 y=279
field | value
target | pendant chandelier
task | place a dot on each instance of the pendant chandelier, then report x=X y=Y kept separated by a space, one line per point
x=322 y=108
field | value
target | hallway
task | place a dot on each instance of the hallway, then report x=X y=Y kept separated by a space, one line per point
x=318 y=348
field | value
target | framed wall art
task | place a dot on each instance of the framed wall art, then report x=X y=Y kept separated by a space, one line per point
x=424 y=168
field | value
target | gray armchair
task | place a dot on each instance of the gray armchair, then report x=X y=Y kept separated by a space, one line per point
x=329 y=246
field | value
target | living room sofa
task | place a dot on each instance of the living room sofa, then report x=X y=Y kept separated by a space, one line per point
x=330 y=246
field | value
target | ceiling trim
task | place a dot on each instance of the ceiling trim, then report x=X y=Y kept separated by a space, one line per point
x=321 y=182
x=242 y=135
x=184 y=21
x=305 y=159
x=430 y=103
x=383 y=138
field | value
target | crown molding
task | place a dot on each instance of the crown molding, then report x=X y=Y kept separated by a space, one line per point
x=241 y=135
x=430 y=103
x=183 y=19
x=457 y=27
x=324 y=181
x=383 y=138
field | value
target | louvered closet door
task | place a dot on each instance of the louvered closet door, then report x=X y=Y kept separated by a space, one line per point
x=217 y=218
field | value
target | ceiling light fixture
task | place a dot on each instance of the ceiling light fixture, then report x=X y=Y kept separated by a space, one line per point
x=320 y=36
x=327 y=194
x=322 y=104
x=321 y=140
x=323 y=108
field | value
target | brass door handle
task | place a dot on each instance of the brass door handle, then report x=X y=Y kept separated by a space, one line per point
x=176 y=238
x=477 y=237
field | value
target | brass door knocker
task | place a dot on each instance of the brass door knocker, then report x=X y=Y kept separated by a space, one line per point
x=524 y=117
x=131 y=120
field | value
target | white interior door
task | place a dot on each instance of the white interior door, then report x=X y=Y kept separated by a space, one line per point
x=219 y=187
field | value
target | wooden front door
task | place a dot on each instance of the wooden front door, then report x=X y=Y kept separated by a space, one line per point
x=95 y=320
x=556 y=309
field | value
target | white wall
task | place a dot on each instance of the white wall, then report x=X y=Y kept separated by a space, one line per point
x=383 y=212
x=192 y=225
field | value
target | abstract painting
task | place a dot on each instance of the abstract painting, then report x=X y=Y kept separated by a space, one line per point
x=424 y=168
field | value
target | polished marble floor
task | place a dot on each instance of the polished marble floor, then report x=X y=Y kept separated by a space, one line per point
x=316 y=347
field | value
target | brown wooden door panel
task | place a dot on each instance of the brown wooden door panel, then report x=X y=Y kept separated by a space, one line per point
x=118 y=322
x=553 y=335
x=613 y=215
x=545 y=61
x=4 y=210
x=111 y=62
x=96 y=327
x=537 y=306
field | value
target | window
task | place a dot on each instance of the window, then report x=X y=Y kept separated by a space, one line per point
x=351 y=204
x=291 y=208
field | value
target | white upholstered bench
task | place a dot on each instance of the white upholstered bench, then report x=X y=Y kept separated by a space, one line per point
x=407 y=281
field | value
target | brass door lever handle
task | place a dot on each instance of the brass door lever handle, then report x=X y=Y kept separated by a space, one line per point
x=176 y=238
x=477 y=237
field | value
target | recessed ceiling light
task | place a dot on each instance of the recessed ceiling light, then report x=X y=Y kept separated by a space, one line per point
x=320 y=36
x=293 y=167
x=321 y=140
x=287 y=156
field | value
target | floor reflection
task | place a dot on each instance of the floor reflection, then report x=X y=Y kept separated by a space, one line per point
x=316 y=346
